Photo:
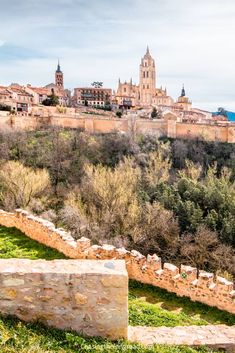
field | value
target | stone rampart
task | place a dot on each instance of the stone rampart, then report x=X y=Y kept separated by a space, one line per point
x=223 y=132
x=90 y=297
x=184 y=281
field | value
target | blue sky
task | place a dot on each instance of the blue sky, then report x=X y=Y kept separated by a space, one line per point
x=102 y=40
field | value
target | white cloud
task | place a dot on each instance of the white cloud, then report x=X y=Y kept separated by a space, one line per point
x=192 y=42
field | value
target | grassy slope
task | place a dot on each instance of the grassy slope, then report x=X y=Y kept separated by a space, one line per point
x=14 y=244
x=16 y=336
x=152 y=306
x=148 y=306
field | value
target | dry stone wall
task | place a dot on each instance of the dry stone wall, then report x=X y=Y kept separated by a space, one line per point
x=90 y=297
x=184 y=281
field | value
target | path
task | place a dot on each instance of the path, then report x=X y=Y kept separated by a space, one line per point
x=219 y=336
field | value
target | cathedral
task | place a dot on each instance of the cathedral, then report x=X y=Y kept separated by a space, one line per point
x=146 y=94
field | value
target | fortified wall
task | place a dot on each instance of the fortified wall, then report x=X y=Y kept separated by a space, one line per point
x=90 y=297
x=184 y=281
x=169 y=126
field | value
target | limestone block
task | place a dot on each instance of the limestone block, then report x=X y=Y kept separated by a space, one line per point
x=170 y=269
x=188 y=273
x=83 y=243
x=223 y=284
x=90 y=297
x=205 y=279
x=154 y=262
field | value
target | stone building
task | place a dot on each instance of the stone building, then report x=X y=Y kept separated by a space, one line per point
x=16 y=97
x=59 y=77
x=145 y=94
x=92 y=96
x=147 y=86
x=64 y=95
x=183 y=102
x=127 y=95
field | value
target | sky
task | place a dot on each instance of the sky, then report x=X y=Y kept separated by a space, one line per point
x=192 y=42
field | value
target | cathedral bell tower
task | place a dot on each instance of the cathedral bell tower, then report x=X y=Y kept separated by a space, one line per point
x=147 y=79
x=59 y=77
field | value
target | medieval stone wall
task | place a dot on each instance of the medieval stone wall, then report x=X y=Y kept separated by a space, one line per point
x=90 y=297
x=184 y=281
x=95 y=124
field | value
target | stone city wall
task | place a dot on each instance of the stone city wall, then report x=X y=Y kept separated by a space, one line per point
x=90 y=297
x=224 y=132
x=184 y=281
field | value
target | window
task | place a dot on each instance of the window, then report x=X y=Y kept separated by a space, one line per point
x=144 y=74
x=147 y=74
x=143 y=86
x=147 y=86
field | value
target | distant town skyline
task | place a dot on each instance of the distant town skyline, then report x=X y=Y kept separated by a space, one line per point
x=191 y=42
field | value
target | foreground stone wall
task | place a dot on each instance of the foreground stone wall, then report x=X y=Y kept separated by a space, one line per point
x=90 y=297
x=184 y=281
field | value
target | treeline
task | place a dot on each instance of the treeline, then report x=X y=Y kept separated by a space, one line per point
x=175 y=198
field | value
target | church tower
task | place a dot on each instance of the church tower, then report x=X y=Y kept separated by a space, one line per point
x=147 y=79
x=59 y=77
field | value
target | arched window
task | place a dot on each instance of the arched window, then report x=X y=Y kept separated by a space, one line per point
x=144 y=74
x=147 y=74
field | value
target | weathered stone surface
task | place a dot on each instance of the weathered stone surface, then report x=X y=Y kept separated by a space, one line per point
x=13 y=282
x=87 y=296
x=81 y=299
x=219 y=336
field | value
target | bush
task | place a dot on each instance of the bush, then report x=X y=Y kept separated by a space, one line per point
x=20 y=184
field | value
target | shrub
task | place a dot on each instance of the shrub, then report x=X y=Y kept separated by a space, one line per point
x=20 y=184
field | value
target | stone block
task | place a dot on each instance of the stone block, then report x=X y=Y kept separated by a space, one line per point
x=188 y=273
x=223 y=284
x=90 y=297
x=205 y=279
x=154 y=262
x=170 y=270
x=83 y=243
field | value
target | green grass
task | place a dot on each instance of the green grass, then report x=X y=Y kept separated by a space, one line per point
x=148 y=306
x=14 y=244
x=16 y=336
x=152 y=306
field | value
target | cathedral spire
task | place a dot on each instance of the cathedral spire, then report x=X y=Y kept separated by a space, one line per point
x=59 y=77
x=183 y=92
x=58 y=66
x=147 y=51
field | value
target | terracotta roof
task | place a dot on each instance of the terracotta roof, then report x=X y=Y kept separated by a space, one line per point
x=40 y=90
x=19 y=90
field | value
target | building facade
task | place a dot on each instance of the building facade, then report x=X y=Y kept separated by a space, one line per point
x=89 y=96
x=146 y=94
x=17 y=98
x=147 y=86
x=183 y=102
x=59 y=77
